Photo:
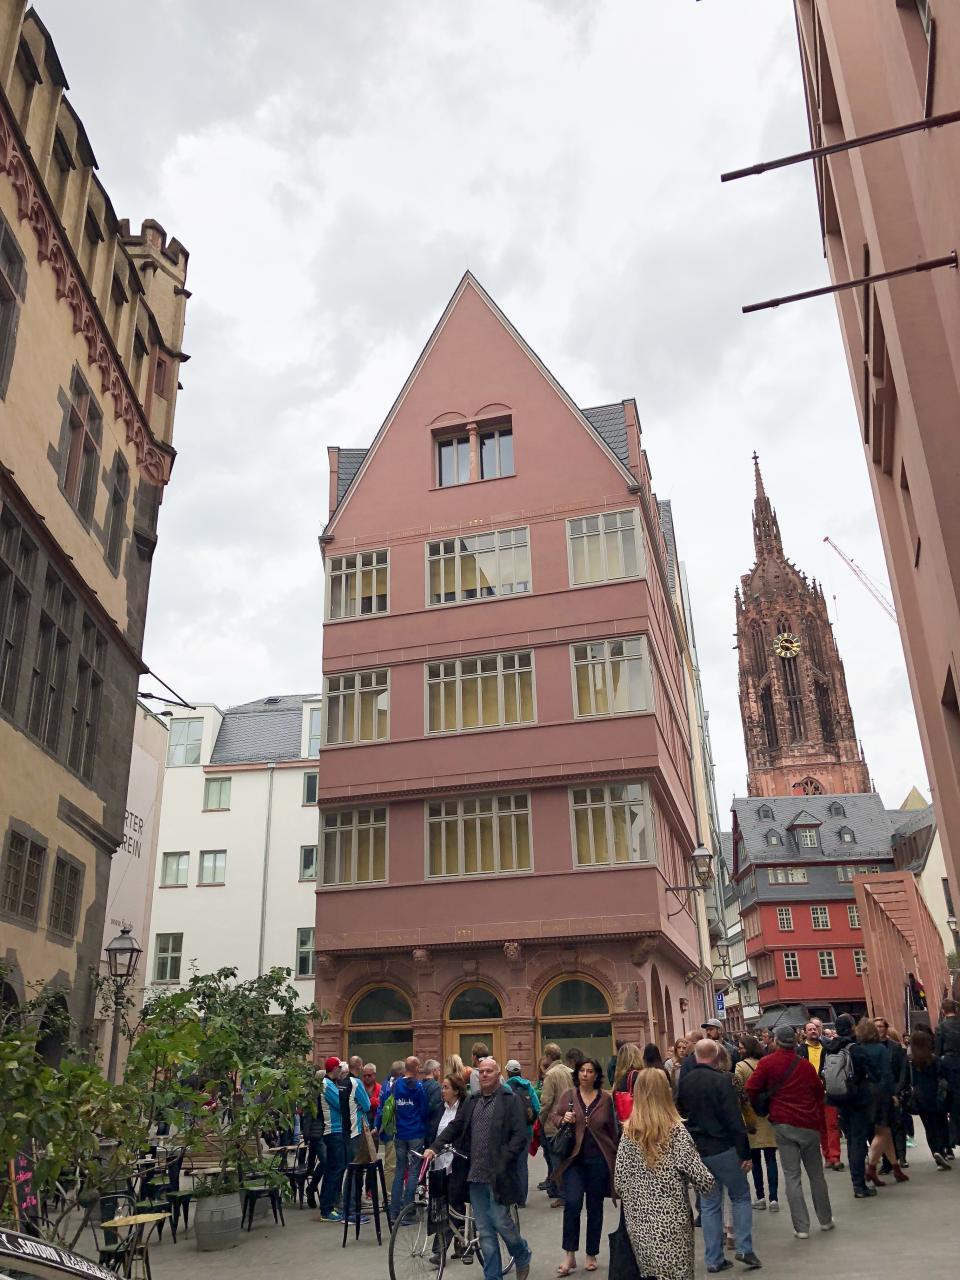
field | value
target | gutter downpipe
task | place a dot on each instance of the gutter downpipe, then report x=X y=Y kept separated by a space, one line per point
x=271 y=769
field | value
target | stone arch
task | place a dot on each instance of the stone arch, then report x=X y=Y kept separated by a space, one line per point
x=461 y=982
x=592 y=967
x=658 y=1013
x=670 y=1029
x=358 y=977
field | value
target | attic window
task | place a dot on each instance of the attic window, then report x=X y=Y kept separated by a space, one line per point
x=807 y=838
x=765 y=811
x=847 y=836
x=270 y=702
x=773 y=838
x=836 y=810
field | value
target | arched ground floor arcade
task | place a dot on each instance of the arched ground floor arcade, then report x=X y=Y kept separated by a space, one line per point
x=512 y=997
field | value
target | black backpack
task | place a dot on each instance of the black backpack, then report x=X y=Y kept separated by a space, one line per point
x=523 y=1093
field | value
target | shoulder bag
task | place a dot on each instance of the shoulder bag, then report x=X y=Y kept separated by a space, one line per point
x=761 y=1103
x=565 y=1139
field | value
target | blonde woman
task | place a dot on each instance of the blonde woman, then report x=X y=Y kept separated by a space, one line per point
x=656 y=1161
x=629 y=1058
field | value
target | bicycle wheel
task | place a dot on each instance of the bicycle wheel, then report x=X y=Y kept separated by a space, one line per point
x=416 y=1253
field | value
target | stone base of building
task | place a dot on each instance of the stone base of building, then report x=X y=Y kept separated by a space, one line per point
x=511 y=997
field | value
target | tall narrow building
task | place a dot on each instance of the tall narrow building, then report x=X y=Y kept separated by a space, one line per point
x=797 y=724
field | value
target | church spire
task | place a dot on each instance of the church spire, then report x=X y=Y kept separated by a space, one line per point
x=766 y=529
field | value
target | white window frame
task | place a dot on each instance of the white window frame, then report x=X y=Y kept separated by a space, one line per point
x=311 y=773
x=605 y=661
x=787 y=875
x=458 y=553
x=827 y=961
x=351 y=567
x=647 y=855
x=506 y=806
x=820 y=917
x=219 y=857
x=215 y=784
x=603 y=519
x=785 y=919
x=853 y=916
x=509 y=666
x=791 y=960
x=498 y=431
x=354 y=821
x=165 y=955
x=807 y=838
x=183 y=869
x=315 y=731
x=859 y=961
x=305 y=949
x=305 y=874
x=355 y=684
x=847 y=836
x=456 y=439
x=190 y=741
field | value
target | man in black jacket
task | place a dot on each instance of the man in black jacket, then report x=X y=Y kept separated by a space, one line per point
x=490 y=1130
x=708 y=1103
x=854 y=1111
x=947 y=1048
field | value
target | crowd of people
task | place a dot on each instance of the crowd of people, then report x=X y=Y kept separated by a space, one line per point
x=672 y=1140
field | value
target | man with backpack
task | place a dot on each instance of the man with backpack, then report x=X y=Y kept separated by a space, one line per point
x=531 y=1109
x=813 y=1047
x=845 y=1081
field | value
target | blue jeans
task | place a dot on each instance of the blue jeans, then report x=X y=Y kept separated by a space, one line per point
x=405 y=1175
x=336 y=1162
x=726 y=1169
x=495 y=1220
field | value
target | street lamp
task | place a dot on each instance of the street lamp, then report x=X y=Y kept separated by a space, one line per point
x=123 y=956
x=722 y=949
x=702 y=860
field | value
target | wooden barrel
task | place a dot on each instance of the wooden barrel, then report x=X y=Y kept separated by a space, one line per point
x=216 y=1222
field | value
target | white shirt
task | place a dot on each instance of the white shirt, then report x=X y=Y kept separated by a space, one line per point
x=446 y=1160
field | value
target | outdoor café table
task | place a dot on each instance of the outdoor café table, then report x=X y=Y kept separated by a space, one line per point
x=141 y=1221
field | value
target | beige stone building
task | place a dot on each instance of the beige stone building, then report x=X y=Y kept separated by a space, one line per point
x=872 y=66
x=91 y=322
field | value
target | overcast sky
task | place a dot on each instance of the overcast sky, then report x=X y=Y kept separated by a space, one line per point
x=334 y=166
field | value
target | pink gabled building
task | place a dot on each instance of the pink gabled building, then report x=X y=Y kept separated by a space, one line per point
x=505 y=790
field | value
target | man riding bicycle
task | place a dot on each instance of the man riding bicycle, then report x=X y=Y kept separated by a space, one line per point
x=490 y=1129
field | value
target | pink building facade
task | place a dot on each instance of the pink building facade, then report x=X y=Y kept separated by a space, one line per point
x=505 y=789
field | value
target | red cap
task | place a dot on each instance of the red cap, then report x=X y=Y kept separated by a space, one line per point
x=331 y=1064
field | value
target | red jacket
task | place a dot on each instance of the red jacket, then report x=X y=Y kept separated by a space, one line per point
x=799 y=1101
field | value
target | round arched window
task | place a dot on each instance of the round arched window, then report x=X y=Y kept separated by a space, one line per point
x=380 y=1028
x=475 y=1004
x=575 y=1014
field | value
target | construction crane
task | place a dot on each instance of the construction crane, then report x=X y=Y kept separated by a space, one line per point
x=865 y=578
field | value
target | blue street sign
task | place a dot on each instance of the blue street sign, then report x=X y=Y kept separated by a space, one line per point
x=719 y=1000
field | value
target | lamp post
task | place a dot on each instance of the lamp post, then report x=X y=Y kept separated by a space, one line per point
x=123 y=956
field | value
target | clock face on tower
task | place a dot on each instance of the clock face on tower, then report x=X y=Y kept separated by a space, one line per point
x=786 y=645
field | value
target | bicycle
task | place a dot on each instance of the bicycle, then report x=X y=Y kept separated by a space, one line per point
x=418 y=1250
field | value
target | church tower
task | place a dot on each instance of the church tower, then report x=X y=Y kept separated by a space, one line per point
x=797 y=723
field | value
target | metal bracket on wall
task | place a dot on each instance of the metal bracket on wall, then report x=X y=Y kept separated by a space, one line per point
x=930 y=264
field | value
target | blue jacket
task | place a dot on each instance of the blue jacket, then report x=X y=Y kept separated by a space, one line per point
x=412 y=1109
x=330 y=1107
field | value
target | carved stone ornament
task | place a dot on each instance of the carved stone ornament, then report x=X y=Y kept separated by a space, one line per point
x=153 y=462
x=323 y=963
x=421 y=955
x=513 y=951
x=642 y=950
x=684 y=1003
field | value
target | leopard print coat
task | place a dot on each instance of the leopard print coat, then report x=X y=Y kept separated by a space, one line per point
x=657 y=1207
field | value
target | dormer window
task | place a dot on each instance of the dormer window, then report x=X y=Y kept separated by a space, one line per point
x=765 y=812
x=773 y=839
x=836 y=810
x=807 y=838
x=847 y=836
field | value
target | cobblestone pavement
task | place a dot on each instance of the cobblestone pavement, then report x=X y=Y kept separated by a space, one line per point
x=901 y=1227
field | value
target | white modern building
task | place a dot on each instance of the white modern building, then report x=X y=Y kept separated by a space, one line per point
x=237 y=851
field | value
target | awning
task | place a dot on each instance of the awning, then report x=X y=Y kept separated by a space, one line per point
x=793 y=1015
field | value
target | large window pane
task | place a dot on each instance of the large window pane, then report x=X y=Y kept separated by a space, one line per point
x=358 y=584
x=617 y=814
x=478 y=567
x=479 y=836
x=494 y=690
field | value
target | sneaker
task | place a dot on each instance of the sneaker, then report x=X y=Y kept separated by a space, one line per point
x=760 y=1204
x=950 y=1154
x=942 y=1161
x=725 y=1265
x=774 y=1206
x=911 y=1142
x=802 y=1235
x=864 y=1193
x=541 y=1186
x=827 y=1226
x=749 y=1260
x=333 y=1216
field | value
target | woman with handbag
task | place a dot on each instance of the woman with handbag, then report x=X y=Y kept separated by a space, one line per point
x=926 y=1095
x=763 y=1141
x=656 y=1164
x=589 y=1128
x=454 y=1094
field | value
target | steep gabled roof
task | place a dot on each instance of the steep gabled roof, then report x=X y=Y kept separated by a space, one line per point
x=872 y=825
x=261 y=732
x=611 y=433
